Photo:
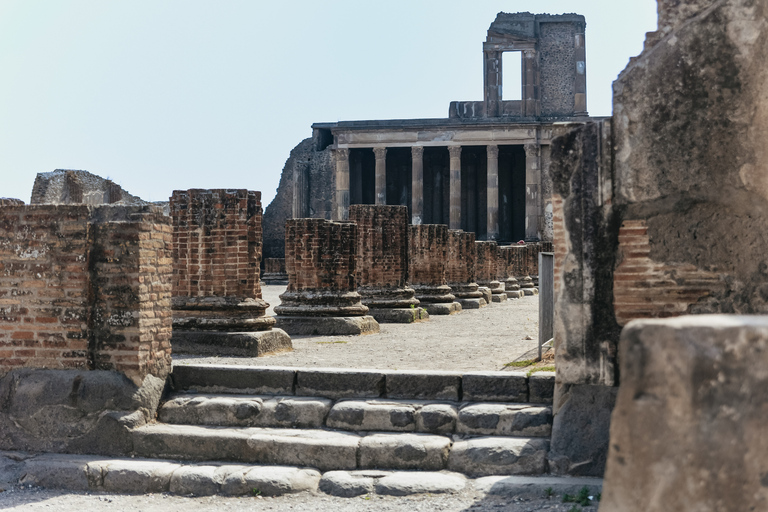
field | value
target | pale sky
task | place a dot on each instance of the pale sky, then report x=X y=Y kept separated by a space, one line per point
x=160 y=95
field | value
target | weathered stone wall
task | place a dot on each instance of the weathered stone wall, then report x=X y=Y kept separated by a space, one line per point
x=9 y=201
x=321 y=255
x=315 y=169
x=64 y=186
x=688 y=431
x=487 y=260
x=428 y=254
x=462 y=257
x=382 y=245
x=557 y=61
x=85 y=289
x=217 y=243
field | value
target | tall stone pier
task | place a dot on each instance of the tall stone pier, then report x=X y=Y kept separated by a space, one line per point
x=460 y=271
x=322 y=297
x=428 y=255
x=382 y=263
x=506 y=272
x=487 y=271
x=217 y=303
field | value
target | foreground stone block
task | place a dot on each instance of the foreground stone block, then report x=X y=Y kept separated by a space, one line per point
x=424 y=385
x=404 y=451
x=322 y=297
x=688 y=431
x=229 y=378
x=382 y=263
x=484 y=456
x=404 y=483
x=495 y=387
x=428 y=254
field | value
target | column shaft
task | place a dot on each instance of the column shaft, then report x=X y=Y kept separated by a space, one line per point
x=381 y=175
x=532 y=181
x=492 y=193
x=417 y=185
x=342 y=184
x=454 y=221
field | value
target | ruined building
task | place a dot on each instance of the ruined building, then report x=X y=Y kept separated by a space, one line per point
x=484 y=169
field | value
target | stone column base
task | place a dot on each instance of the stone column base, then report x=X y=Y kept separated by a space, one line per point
x=251 y=344
x=530 y=291
x=468 y=295
x=399 y=315
x=442 y=308
x=327 y=325
x=487 y=293
x=499 y=297
x=273 y=278
x=472 y=303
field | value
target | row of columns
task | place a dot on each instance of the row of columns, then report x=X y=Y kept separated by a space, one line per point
x=532 y=178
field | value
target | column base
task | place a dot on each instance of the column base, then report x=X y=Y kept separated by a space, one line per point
x=515 y=294
x=530 y=291
x=399 y=315
x=442 y=308
x=327 y=325
x=472 y=303
x=487 y=293
x=499 y=297
x=249 y=344
x=275 y=278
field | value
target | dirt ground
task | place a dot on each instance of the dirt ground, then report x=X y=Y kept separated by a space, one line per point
x=473 y=340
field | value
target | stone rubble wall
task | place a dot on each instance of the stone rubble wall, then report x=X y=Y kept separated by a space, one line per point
x=9 y=201
x=217 y=243
x=382 y=245
x=64 y=186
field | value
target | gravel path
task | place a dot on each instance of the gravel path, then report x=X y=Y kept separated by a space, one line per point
x=38 y=499
x=473 y=340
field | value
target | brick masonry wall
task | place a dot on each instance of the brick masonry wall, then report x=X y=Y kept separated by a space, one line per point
x=274 y=266
x=382 y=245
x=644 y=288
x=321 y=255
x=85 y=288
x=428 y=254
x=487 y=258
x=217 y=242
x=462 y=257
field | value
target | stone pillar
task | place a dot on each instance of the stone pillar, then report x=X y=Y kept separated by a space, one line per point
x=381 y=175
x=300 y=207
x=532 y=180
x=454 y=221
x=417 y=184
x=382 y=263
x=492 y=82
x=492 y=192
x=487 y=271
x=274 y=271
x=428 y=254
x=460 y=269
x=322 y=297
x=342 y=184
x=531 y=103
x=580 y=84
x=506 y=270
x=217 y=304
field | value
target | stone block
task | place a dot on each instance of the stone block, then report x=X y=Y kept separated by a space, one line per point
x=399 y=316
x=244 y=379
x=328 y=325
x=138 y=476
x=485 y=456
x=442 y=308
x=541 y=387
x=340 y=383
x=495 y=387
x=61 y=472
x=195 y=480
x=269 y=481
x=688 y=430
x=244 y=344
x=436 y=419
x=424 y=385
x=346 y=484
x=504 y=420
x=424 y=452
x=405 y=483
x=372 y=415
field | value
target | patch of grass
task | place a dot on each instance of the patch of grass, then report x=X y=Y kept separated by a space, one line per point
x=541 y=369
x=548 y=492
x=330 y=342
x=256 y=491
x=582 y=498
x=520 y=364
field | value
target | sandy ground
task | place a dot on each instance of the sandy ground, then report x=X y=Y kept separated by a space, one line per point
x=472 y=340
x=37 y=499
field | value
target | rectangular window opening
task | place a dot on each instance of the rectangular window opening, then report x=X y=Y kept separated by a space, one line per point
x=512 y=76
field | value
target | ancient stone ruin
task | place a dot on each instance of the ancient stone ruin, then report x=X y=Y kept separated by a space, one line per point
x=64 y=186
x=460 y=270
x=322 y=296
x=428 y=254
x=217 y=303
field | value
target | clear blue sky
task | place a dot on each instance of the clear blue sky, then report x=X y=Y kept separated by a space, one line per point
x=174 y=94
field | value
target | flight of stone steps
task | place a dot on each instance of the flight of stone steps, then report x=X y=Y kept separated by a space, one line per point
x=478 y=424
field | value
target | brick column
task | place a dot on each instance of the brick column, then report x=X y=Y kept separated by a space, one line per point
x=532 y=180
x=382 y=263
x=381 y=175
x=217 y=304
x=460 y=269
x=506 y=272
x=417 y=184
x=492 y=192
x=341 y=156
x=428 y=253
x=322 y=297
x=487 y=271
x=454 y=221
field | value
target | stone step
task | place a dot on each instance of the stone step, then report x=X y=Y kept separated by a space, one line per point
x=334 y=450
x=475 y=418
x=93 y=473
x=337 y=383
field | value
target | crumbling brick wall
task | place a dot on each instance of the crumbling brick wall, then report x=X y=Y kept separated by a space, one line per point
x=487 y=261
x=85 y=288
x=462 y=257
x=382 y=245
x=320 y=255
x=428 y=254
x=217 y=241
